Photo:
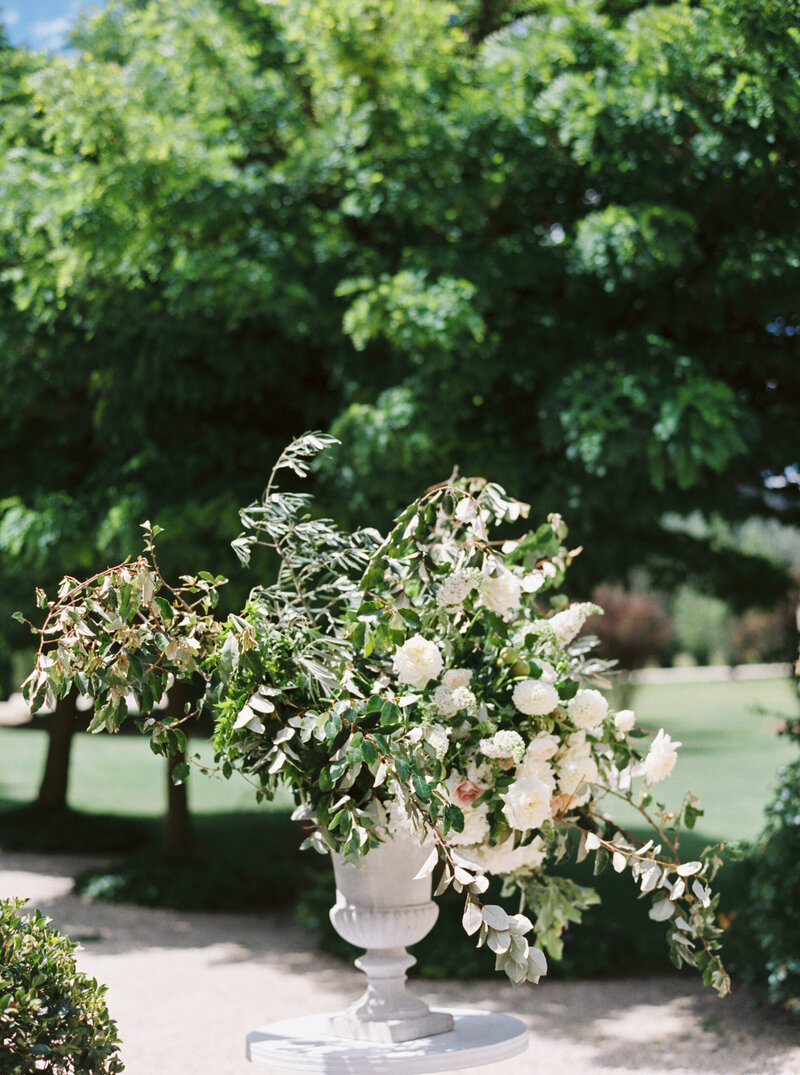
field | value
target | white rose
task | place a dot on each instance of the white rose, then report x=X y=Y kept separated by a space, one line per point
x=527 y=803
x=543 y=747
x=542 y=770
x=573 y=774
x=417 y=661
x=500 y=592
x=457 y=677
x=587 y=709
x=534 y=697
x=624 y=720
x=505 y=858
x=661 y=758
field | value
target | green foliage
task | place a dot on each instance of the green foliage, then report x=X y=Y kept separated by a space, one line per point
x=222 y=874
x=26 y=828
x=52 y=1018
x=557 y=245
x=428 y=683
x=770 y=951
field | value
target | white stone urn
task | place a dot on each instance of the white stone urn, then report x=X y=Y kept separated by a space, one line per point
x=381 y=907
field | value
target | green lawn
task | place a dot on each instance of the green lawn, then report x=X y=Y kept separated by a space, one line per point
x=730 y=757
x=731 y=752
x=115 y=775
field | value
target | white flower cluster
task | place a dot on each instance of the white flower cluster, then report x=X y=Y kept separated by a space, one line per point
x=438 y=737
x=448 y=702
x=505 y=858
x=454 y=590
x=567 y=625
x=453 y=695
x=502 y=745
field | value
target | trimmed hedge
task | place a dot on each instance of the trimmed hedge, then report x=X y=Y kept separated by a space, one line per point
x=53 y=1019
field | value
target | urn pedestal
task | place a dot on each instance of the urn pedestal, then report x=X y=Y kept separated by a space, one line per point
x=381 y=906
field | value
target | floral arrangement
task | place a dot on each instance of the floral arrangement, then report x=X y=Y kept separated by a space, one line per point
x=434 y=681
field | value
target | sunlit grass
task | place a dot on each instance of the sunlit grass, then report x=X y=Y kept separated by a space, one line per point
x=118 y=775
x=731 y=751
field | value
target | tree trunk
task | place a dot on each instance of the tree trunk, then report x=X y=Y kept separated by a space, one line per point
x=55 y=779
x=177 y=828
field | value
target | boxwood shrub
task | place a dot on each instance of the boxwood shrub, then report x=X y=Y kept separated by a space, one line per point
x=53 y=1019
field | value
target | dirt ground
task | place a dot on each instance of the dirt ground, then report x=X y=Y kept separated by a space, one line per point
x=186 y=988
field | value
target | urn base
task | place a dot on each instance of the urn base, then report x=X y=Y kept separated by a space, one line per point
x=391 y=1030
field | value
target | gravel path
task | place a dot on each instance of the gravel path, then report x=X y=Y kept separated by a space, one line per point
x=185 y=988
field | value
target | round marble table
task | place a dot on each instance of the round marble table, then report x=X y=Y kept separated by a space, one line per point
x=305 y=1044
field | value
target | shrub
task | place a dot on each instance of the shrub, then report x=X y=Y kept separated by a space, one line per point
x=770 y=914
x=634 y=628
x=764 y=635
x=52 y=1018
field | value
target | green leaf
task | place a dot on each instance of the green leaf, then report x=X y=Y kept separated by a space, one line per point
x=421 y=787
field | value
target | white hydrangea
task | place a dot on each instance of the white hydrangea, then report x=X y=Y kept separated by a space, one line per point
x=567 y=625
x=587 y=709
x=500 y=592
x=438 y=737
x=624 y=720
x=444 y=701
x=505 y=858
x=449 y=702
x=534 y=697
x=527 y=803
x=504 y=744
x=454 y=590
x=465 y=699
x=457 y=677
x=417 y=661
x=661 y=758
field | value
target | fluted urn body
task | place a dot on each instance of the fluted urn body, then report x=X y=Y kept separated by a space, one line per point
x=381 y=906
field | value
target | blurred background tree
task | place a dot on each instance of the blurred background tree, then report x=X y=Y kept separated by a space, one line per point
x=555 y=244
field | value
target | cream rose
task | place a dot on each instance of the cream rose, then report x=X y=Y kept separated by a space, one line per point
x=457 y=677
x=535 y=698
x=500 y=592
x=624 y=720
x=661 y=758
x=587 y=709
x=417 y=661
x=527 y=803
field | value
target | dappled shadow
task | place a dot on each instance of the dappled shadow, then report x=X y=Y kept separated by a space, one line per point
x=670 y=1022
x=660 y=1024
x=113 y=929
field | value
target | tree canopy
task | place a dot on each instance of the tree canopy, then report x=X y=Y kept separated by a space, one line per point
x=553 y=243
